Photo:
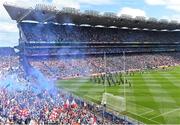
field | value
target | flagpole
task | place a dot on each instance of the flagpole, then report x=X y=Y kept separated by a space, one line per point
x=104 y=103
x=124 y=57
x=105 y=70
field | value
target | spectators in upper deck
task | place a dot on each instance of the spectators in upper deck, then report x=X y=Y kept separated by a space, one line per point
x=51 y=32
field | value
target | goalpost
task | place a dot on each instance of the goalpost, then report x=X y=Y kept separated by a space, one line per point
x=116 y=103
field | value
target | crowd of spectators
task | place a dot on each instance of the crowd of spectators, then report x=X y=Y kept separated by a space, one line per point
x=22 y=103
x=84 y=51
x=96 y=41
x=10 y=65
x=24 y=107
x=67 y=33
x=72 y=40
x=72 y=67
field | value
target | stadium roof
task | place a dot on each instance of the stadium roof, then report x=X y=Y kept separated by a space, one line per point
x=46 y=13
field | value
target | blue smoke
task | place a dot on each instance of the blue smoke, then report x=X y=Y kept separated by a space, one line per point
x=42 y=82
x=46 y=33
x=11 y=83
x=38 y=82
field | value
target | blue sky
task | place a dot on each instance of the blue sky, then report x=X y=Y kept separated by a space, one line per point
x=160 y=9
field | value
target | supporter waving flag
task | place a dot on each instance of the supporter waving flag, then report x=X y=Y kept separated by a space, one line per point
x=46 y=111
x=74 y=104
x=66 y=105
x=54 y=114
x=23 y=113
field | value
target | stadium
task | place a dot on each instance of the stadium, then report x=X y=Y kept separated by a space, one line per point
x=74 y=67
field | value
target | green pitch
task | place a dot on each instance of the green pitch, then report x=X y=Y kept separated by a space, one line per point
x=153 y=98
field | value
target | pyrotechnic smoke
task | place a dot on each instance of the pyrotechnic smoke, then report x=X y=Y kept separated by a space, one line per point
x=48 y=33
x=11 y=82
x=38 y=81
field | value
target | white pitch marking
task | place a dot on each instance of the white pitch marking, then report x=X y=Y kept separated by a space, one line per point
x=145 y=118
x=147 y=112
x=166 y=113
x=143 y=107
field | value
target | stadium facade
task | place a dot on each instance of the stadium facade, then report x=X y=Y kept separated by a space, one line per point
x=44 y=30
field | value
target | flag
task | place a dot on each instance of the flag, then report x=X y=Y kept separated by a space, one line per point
x=60 y=110
x=94 y=121
x=73 y=104
x=46 y=111
x=54 y=114
x=66 y=105
x=23 y=113
x=85 y=104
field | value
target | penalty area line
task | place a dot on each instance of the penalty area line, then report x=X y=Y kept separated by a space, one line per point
x=166 y=113
x=143 y=107
x=144 y=113
x=144 y=117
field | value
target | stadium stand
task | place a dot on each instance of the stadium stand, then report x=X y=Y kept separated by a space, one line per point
x=73 y=40
x=7 y=51
x=64 y=51
x=22 y=104
x=64 y=68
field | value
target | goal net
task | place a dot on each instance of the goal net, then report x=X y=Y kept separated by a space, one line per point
x=116 y=103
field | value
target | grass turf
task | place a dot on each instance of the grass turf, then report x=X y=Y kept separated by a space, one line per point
x=153 y=98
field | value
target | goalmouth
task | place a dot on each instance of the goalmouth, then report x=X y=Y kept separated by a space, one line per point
x=116 y=103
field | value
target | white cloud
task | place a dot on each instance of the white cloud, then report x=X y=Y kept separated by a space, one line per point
x=174 y=7
x=25 y=3
x=8 y=27
x=77 y=3
x=58 y=3
x=155 y=2
x=174 y=17
x=132 y=11
x=4 y=15
x=66 y=3
x=5 y=40
x=169 y=4
x=96 y=2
